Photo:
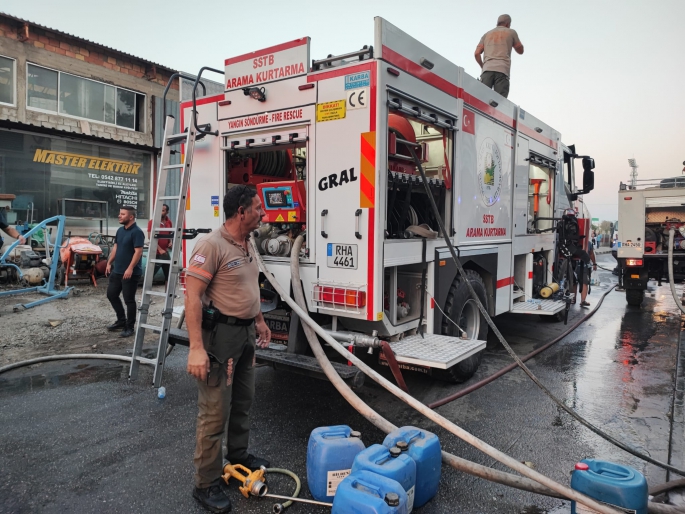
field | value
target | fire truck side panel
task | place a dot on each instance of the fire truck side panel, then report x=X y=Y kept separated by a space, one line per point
x=207 y=182
x=346 y=195
x=631 y=219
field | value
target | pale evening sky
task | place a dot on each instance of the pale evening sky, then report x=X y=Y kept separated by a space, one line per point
x=609 y=75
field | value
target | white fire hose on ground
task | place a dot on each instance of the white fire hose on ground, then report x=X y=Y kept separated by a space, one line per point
x=512 y=463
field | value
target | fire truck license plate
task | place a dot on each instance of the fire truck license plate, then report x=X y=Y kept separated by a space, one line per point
x=342 y=256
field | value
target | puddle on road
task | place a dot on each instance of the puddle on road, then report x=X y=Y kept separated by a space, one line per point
x=48 y=375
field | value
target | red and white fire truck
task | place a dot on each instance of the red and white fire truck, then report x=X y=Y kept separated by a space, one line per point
x=325 y=142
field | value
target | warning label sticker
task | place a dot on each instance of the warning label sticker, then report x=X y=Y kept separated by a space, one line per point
x=333 y=480
x=329 y=111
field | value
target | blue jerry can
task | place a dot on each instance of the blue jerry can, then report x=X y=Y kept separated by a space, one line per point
x=614 y=484
x=330 y=453
x=364 y=492
x=391 y=463
x=424 y=447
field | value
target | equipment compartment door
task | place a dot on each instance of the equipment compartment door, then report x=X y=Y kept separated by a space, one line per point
x=345 y=176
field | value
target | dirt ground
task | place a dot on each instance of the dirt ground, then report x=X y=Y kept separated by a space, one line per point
x=75 y=324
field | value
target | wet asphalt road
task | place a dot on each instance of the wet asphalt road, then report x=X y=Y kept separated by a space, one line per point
x=78 y=437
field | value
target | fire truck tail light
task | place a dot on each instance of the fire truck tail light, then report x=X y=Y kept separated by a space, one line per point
x=627 y=197
x=305 y=86
x=340 y=296
x=633 y=262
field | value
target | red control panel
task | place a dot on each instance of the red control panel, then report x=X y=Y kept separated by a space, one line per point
x=283 y=202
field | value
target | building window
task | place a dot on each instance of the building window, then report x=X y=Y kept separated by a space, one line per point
x=41 y=88
x=7 y=75
x=84 y=98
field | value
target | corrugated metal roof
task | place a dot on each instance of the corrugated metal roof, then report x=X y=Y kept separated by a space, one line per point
x=82 y=40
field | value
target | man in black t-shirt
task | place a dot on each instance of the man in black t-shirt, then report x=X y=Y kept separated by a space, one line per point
x=126 y=254
x=12 y=232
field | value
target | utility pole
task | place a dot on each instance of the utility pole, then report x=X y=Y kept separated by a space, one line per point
x=633 y=173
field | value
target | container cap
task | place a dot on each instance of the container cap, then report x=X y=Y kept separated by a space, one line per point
x=392 y=499
x=581 y=466
x=355 y=433
x=402 y=445
x=395 y=451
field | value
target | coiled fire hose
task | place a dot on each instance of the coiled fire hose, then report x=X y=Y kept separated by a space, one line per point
x=671 y=233
x=380 y=422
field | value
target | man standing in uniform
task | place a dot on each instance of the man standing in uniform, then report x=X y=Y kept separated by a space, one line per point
x=126 y=254
x=163 y=244
x=12 y=232
x=497 y=45
x=224 y=319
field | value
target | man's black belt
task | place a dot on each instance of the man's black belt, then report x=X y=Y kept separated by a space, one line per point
x=232 y=320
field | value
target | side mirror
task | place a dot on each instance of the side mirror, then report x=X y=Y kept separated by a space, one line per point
x=588 y=164
x=573 y=197
x=588 y=179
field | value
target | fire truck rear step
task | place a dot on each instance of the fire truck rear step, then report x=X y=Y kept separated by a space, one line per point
x=435 y=350
x=543 y=308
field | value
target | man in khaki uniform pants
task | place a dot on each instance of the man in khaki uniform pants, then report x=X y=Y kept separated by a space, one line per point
x=224 y=320
x=497 y=45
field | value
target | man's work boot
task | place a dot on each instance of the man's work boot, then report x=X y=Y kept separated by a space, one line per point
x=120 y=323
x=213 y=498
x=128 y=332
x=253 y=463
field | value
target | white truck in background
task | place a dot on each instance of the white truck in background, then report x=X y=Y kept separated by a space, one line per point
x=646 y=213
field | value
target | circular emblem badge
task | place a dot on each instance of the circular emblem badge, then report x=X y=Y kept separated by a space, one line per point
x=489 y=171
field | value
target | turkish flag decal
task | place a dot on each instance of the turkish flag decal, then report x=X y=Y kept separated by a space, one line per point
x=468 y=122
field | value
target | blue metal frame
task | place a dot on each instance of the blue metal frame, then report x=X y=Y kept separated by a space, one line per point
x=49 y=287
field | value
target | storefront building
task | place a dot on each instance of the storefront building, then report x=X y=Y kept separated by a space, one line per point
x=78 y=132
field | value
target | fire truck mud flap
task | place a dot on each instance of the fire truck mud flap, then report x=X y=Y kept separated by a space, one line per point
x=281 y=359
x=540 y=307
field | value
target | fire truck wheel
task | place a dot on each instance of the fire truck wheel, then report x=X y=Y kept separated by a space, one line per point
x=461 y=308
x=634 y=297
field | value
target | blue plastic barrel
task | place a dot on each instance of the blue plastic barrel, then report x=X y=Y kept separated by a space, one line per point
x=391 y=463
x=364 y=492
x=424 y=447
x=330 y=453
x=614 y=484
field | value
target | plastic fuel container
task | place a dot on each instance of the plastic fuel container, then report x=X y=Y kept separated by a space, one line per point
x=330 y=453
x=391 y=463
x=614 y=484
x=364 y=492
x=424 y=448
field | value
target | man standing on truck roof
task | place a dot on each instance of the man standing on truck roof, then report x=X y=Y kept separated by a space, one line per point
x=224 y=324
x=497 y=45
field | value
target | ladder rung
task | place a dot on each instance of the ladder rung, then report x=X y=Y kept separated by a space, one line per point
x=151 y=327
x=177 y=136
x=154 y=293
x=160 y=261
x=173 y=166
x=163 y=229
x=176 y=197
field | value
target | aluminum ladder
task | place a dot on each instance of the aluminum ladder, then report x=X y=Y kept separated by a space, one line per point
x=176 y=234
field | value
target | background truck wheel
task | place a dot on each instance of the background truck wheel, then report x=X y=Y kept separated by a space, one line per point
x=462 y=308
x=634 y=297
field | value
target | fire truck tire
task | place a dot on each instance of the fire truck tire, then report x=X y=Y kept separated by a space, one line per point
x=461 y=308
x=634 y=297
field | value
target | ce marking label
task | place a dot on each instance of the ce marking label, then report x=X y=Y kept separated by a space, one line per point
x=358 y=99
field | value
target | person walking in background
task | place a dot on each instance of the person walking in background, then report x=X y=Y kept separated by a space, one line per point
x=496 y=46
x=599 y=240
x=594 y=238
x=163 y=244
x=124 y=270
